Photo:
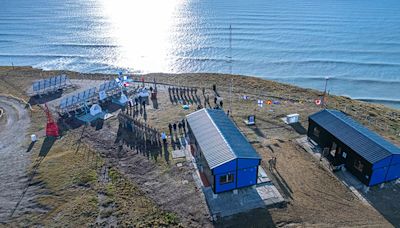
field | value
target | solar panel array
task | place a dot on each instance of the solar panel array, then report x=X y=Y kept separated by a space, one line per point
x=107 y=86
x=75 y=101
x=49 y=84
x=78 y=99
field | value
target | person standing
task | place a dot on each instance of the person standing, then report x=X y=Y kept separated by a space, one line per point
x=170 y=128
x=174 y=127
x=184 y=125
x=180 y=128
x=164 y=137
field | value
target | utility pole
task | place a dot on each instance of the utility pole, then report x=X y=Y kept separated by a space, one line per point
x=324 y=99
x=230 y=49
x=230 y=97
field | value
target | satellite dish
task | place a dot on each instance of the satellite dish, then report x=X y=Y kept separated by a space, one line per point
x=95 y=109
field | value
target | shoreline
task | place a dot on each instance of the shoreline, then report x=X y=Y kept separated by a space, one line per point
x=388 y=102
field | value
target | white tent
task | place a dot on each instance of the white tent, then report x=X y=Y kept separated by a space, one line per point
x=95 y=109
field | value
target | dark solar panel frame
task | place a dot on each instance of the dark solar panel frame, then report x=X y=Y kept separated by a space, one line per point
x=49 y=84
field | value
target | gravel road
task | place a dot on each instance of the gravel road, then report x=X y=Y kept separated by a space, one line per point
x=14 y=159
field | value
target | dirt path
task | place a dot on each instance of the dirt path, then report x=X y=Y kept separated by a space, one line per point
x=14 y=158
x=165 y=187
x=315 y=196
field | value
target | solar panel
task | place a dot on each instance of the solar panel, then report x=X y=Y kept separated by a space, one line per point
x=47 y=84
x=69 y=101
x=75 y=99
x=93 y=92
x=36 y=86
x=63 y=79
x=40 y=83
x=53 y=81
x=63 y=104
x=102 y=87
x=58 y=81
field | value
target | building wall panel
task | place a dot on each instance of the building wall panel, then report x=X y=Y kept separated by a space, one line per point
x=246 y=163
x=224 y=168
x=246 y=177
x=224 y=187
x=382 y=163
x=393 y=172
x=395 y=159
x=378 y=176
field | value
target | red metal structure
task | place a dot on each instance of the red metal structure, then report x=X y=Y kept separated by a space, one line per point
x=51 y=127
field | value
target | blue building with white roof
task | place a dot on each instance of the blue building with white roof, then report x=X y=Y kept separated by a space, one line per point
x=224 y=155
x=368 y=156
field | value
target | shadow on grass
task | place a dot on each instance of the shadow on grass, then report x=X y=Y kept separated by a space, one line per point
x=44 y=150
x=282 y=183
x=34 y=100
x=155 y=103
x=259 y=217
x=46 y=146
x=30 y=146
x=299 y=128
x=257 y=131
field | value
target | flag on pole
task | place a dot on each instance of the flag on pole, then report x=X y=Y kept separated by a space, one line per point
x=260 y=103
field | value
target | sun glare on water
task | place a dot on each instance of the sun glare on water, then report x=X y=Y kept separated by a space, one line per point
x=142 y=30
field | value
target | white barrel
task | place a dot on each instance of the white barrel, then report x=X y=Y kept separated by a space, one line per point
x=33 y=138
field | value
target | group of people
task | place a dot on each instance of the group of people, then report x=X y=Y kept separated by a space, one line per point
x=183 y=94
x=180 y=126
x=182 y=90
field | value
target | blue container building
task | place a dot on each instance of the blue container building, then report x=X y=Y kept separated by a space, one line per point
x=222 y=152
x=368 y=156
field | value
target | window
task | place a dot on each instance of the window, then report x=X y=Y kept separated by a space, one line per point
x=358 y=165
x=316 y=132
x=226 y=179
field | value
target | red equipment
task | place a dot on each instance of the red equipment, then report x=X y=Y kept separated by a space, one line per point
x=51 y=127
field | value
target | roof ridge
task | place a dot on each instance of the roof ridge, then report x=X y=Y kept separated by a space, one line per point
x=220 y=133
x=237 y=129
x=337 y=117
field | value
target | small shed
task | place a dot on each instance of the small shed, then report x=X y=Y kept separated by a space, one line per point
x=368 y=156
x=292 y=118
x=222 y=152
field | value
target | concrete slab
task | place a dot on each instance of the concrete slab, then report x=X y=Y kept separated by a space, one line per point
x=228 y=203
x=178 y=154
x=241 y=200
x=262 y=176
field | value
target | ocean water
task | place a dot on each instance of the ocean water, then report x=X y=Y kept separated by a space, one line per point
x=356 y=43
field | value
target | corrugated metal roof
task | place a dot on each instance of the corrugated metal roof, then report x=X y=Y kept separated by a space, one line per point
x=366 y=143
x=219 y=138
